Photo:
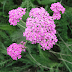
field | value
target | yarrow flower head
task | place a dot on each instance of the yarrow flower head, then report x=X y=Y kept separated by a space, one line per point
x=15 y=15
x=14 y=50
x=57 y=8
x=40 y=28
x=56 y=15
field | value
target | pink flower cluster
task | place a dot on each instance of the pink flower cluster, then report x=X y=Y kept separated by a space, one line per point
x=15 y=15
x=14 y=50
x=57 y=7
x=40 y=28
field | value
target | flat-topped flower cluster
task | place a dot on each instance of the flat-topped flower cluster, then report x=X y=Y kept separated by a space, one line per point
x=57 y=7
x=15 y=15
x=40 y=28
x=14 y=50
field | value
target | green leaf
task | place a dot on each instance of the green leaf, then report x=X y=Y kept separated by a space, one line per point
x=9 y=28
x=3 y=35
x=45 y=2
x=3 y=48
x=62 y=27
x=51 y=70
x=1 y=13
x=28 y=5
x=3 y=62
x=67 y=60
x=21 y=25
x=6 y=27
x=17 y=36
x=46 y=7
x=1 y=0
x=25 y=16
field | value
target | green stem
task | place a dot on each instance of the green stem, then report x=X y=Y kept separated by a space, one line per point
x=64 y=42
x=60 y=1
x=23 y=22
x=21 y=25
x=59 y=53
x=66 y=64
x=41 y=53
x=65 y=60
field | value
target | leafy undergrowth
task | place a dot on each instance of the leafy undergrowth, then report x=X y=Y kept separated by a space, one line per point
x=58 y=59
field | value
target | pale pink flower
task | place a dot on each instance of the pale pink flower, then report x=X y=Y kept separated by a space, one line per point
x=40 y=28
x=57 y=8
x=15 y=15
x=14 y=50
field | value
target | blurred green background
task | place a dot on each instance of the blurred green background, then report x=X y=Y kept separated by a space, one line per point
x=58 y=59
